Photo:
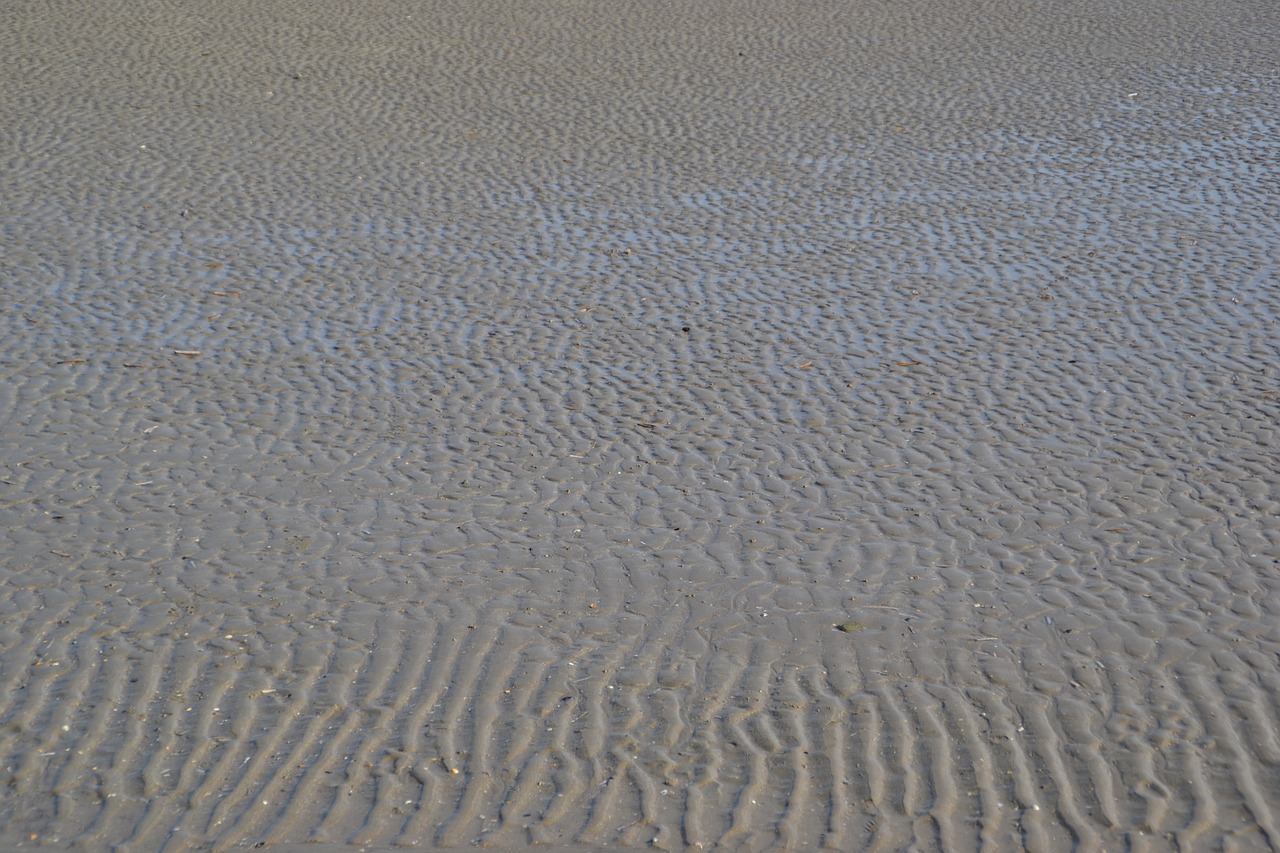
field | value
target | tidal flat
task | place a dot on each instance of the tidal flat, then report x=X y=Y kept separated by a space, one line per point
x=678 y=425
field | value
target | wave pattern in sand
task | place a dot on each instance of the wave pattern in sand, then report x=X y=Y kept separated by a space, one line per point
x=775 y=457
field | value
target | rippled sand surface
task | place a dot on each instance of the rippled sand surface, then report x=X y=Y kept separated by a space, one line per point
x=626 y=423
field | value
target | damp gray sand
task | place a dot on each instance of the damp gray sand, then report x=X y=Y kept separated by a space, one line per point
x=763 y=425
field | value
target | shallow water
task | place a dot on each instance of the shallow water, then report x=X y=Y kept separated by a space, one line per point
x=765 y=426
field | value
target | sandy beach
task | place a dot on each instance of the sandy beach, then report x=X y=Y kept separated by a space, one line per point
x=632 y=424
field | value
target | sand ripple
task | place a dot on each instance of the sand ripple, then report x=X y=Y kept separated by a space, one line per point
x=740 y=425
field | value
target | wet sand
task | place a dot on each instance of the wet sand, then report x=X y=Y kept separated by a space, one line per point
x=637 y=424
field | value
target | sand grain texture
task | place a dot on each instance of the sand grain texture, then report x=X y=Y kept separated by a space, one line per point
x=669 y=425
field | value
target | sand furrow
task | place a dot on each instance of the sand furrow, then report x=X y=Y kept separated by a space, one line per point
x=873 y=748
x=1252 y=816
x=990 y=815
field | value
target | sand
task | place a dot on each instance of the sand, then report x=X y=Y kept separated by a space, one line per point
x=612 y=424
